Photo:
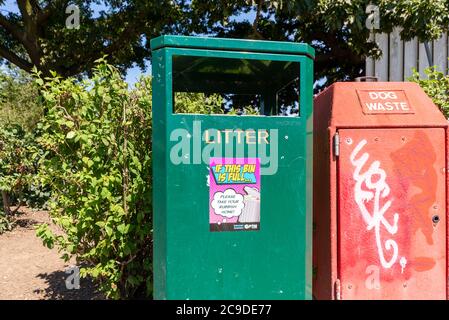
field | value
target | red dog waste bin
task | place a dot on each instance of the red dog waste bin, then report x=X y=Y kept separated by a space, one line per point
x=380 y=195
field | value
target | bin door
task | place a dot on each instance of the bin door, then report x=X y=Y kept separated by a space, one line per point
x=391 y=207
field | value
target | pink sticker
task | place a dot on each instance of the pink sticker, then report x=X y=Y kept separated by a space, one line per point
x=234 y=194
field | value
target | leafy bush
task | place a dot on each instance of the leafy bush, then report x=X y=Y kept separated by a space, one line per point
x=436 y=85
x=5 y=223
x=18 y=158
x=200 y=103
x=97 y=138
x=19 y=112
x=190 y=102
x=19 y=99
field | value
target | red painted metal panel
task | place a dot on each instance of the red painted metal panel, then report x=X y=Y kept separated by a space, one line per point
x=391 y=190
x=339 y=108
x=324 y=241
x=347 y=110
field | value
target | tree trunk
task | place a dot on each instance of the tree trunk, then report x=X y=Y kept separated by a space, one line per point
x=6 y=206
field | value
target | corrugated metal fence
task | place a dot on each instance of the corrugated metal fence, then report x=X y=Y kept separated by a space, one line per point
x=399 y=57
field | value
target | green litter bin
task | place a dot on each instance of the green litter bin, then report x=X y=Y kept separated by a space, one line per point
x=232 y=194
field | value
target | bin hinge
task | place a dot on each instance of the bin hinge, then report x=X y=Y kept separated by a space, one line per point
x=336 y=143
x=337 y=290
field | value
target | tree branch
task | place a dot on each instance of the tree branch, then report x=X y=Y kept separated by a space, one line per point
x=35 y=5
x=46 y=12
x=30 y=23
x=19 y=205
x=22 y=4
x=13 y=29
x=131 y=30
x=256 y=33
x=13 y=58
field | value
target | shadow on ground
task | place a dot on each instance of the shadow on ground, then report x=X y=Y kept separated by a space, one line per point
x=57 y=290
x=26 y=223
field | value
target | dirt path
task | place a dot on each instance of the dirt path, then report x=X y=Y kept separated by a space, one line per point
x=30 y=271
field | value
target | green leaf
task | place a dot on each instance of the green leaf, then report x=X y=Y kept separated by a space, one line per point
x=101 y=224
x=105 y=193
x=70 y=135
x=123 y=229
x=108 y=230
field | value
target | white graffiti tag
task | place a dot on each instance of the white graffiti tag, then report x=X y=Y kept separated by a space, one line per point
x=371 y=186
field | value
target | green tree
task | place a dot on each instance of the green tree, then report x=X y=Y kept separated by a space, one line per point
x=38 y=36
x=336 y=28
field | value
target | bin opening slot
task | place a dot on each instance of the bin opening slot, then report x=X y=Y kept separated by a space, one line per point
x=235 y=86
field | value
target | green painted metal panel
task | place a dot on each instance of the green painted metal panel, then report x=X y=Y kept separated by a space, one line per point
x=190 y=260
x=232 y=44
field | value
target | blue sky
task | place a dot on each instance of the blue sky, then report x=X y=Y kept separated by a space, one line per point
x=134 y=73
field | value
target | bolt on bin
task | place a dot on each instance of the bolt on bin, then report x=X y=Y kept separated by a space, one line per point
x=380 y=197
x=232 y=194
